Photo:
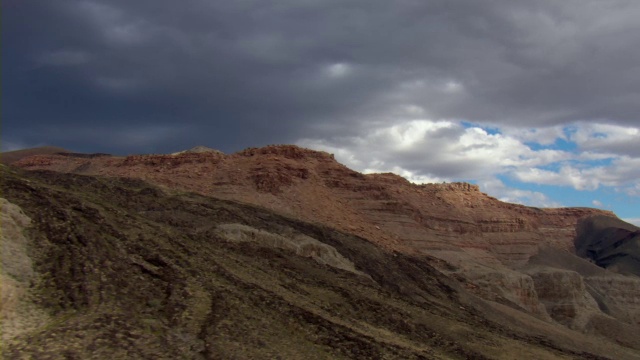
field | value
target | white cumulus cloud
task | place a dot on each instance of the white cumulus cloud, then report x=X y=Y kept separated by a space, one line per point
x=424 y=150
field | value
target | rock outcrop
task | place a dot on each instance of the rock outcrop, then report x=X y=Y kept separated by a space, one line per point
x=486 y=243
x=609 y=243
x=19 y=312
x=299 y=244
x=564 y=295
x=198 y=150
x=123 y=269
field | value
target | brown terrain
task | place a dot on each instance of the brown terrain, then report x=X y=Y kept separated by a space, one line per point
x=528 y=272
x=10 y=157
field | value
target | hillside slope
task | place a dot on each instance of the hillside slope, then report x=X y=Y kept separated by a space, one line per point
x=313 y=186
x=610 y=243
x=9 y=157
x=518 y=256
x=121 y=269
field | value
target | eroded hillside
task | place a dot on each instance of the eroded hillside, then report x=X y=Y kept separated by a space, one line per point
x=122 y=269
x=484 y=241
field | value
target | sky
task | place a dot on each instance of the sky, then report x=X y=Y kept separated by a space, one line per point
x=538 y=102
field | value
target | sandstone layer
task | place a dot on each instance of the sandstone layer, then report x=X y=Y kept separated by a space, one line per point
x=486 y=243
x=384 y=208
x=121 y=269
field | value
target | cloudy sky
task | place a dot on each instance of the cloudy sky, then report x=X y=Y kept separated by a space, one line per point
x=536 y=101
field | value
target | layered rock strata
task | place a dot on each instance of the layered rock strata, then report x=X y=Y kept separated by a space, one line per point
x=483 y=241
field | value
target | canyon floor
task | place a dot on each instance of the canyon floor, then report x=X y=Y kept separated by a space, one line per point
x=281 y=252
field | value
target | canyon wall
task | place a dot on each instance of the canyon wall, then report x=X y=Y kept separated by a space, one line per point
x=486 y=243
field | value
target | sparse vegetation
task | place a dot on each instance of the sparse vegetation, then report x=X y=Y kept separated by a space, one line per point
x=130 y=271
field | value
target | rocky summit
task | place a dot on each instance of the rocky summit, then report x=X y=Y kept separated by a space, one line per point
x=282 y=252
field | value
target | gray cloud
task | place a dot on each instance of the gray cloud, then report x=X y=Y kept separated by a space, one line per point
x=246 y=73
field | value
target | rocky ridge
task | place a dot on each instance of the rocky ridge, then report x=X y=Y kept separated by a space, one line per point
x=487 y=244
x=119 y=268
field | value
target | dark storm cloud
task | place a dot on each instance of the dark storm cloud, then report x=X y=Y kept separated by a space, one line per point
x=173 y=74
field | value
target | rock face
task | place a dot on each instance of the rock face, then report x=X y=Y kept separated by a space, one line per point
x=564 y=295
x=299 y=244
x=19 y=313
x=382 y=207
x=122 y=269
x=198 y=150
x=487 y=244
x=610 y=243
x=613 y=245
